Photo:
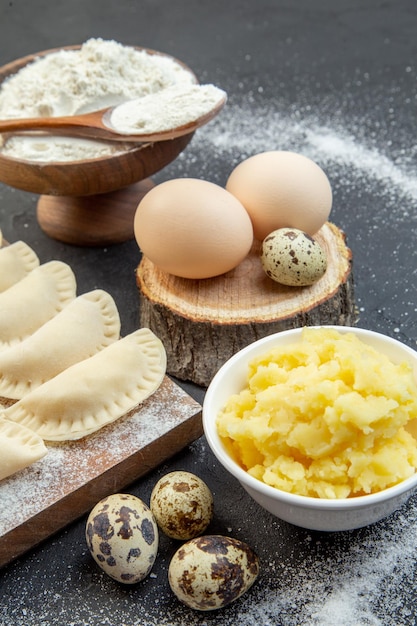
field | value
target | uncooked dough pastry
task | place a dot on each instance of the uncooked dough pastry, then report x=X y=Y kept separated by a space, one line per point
x=20 y=447
x=85 y=326
x=16 y=261
x=34 y=300
x=90 y=394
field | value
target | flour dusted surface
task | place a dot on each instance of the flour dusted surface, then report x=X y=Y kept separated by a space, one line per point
x=71 y=466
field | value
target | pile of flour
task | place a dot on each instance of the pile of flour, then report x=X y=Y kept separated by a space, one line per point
x=97 y=75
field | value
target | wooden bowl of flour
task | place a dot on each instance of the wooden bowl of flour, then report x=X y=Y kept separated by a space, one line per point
x=87 y=176
x=89 y=201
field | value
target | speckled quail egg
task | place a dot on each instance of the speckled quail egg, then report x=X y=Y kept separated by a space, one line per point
x=292 y=257
x=182 y=505
x=122 y=536
x=211 y=571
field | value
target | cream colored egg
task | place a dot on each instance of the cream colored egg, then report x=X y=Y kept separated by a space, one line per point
x=291 y=257
x=182 y=505
x=210 y=572
x=282 y=189
x=192 y=228
x=122 y=536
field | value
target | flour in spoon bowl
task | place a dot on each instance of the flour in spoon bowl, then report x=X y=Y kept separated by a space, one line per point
x=171 y=108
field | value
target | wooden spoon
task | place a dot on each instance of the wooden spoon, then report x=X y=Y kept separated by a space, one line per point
x=97 y=125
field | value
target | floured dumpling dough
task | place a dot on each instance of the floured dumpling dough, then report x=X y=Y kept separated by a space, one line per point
x=16 y=261
x=85 y=326
x=34 y=300
x=90 y=394
x=20 y=447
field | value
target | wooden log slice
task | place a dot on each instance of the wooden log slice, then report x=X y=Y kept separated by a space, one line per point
x=202 y=323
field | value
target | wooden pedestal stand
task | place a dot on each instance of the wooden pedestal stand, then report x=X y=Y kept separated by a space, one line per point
x=202 y=323
x=94 y=220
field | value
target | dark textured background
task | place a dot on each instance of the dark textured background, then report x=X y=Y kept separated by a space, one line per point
x=348 y=65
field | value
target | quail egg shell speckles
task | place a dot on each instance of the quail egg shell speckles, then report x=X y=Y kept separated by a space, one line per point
x=211 y=571
x=182 y=505
x=292 y=257
x=122 y=536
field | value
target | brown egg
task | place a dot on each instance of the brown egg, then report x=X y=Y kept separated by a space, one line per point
x=210 y=572
x=192 y=228
x=282 y=189
x=182 y=505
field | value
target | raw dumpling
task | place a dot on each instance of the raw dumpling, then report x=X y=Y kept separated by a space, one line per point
x=90 y=394
x=20 y=447
x=85 y=326
x=34 y=300
x=16 y=261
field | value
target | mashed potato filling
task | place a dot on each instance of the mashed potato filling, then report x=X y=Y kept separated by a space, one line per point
x=325 y=417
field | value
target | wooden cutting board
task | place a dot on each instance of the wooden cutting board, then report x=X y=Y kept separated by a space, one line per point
x=73 y=477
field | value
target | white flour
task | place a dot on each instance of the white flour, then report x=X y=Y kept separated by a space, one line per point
x=101 y=73
x=170 y=108
x=44 y=148
x=98 y=75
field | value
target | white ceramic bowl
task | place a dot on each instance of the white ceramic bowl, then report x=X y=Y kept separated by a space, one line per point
x=307 y=512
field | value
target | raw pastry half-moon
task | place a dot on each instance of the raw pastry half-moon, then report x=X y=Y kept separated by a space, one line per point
x=20 y=447
x=16 y=261
x=85 y=326
x=95 y=392
x=34 y=300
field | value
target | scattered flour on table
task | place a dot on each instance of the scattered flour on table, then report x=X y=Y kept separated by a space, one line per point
x=240 y=132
